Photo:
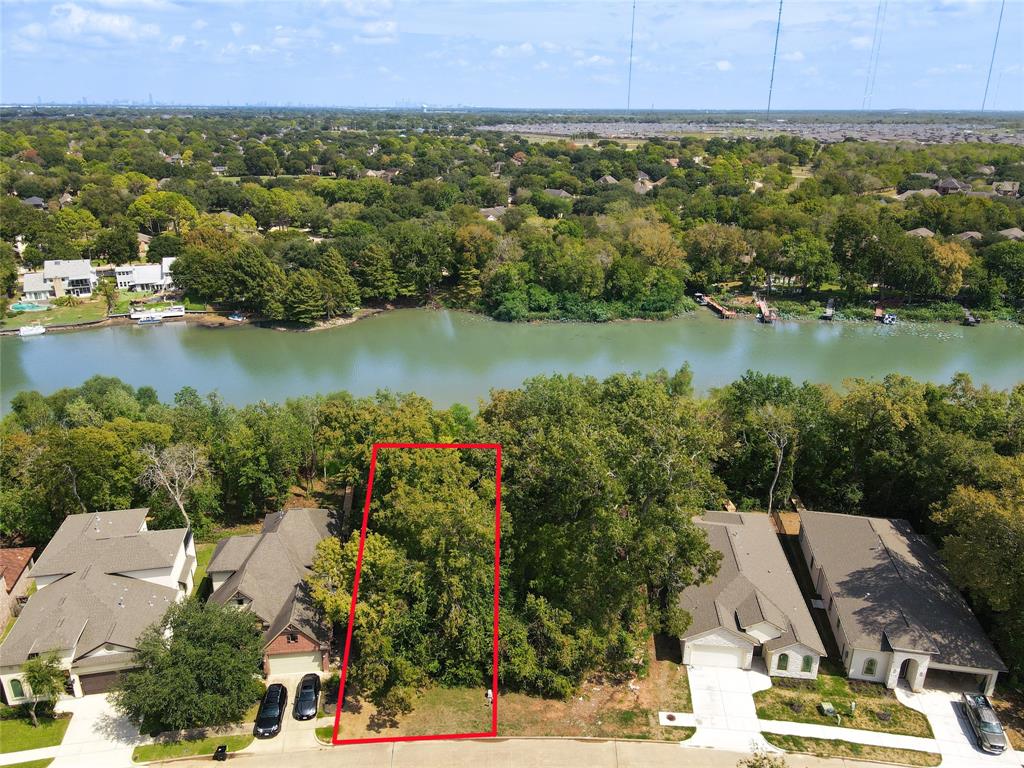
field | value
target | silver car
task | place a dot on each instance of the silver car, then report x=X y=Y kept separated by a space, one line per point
x=984 y=723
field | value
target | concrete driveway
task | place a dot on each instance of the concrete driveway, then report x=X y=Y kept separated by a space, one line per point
x=723 y=708
x=97 y=737
x=953 y=735
x=295 y=735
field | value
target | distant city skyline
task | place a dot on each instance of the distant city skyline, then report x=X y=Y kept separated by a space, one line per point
x=931 y=54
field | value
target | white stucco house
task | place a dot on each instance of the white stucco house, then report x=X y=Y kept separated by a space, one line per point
x=753 y=607
x=100 y=582
x=894 y=610
x=74 y=277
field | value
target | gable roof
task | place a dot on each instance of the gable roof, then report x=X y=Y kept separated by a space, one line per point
x=754 y=584
x=13 y=562
x=68 y=269
x=1013 y=233
x=93 y=603
x=270 y=569
x=108 y=542
x=921 y=232
x=891 y=590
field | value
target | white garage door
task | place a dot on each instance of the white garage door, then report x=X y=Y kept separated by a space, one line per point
x=716 y=656
x=288 y=663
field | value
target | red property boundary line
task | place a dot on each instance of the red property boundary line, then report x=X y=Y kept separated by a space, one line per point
x=355 y=593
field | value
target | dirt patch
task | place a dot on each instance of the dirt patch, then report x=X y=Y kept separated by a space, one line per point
x=1009 y=705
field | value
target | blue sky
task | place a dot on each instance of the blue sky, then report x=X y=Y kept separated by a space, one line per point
x=934 y=54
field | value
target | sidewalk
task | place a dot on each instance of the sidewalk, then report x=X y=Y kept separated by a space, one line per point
x=25 y=756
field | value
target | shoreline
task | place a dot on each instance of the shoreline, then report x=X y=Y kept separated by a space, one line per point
x=217 y=320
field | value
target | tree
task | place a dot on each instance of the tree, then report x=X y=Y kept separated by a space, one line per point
x=175 y=470
x=303 y=299
x=375 y=274
x=45 y=678
x=107 y=288
x=155 y=210
x=339 y=289
x=116 y=246
x=775 y=423
x=254 y=282
x=197 y=667
x=951 y=259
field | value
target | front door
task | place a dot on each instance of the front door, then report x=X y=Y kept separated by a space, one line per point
x=904 y=669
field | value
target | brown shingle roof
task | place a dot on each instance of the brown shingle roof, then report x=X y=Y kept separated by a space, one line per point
x=13 y=562
x=754 y=583
x=891 y=589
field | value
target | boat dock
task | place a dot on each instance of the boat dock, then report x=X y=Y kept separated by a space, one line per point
x=969 y=318
x=722 y=311
x=765 y=313
x=830 y=310
x=879 y=312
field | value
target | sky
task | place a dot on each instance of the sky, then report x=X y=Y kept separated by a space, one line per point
x=550 y=54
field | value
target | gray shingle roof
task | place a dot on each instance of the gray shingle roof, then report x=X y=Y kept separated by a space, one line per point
x=754 y=583
x=891 y=590
x=93 y=605
x=270 y=569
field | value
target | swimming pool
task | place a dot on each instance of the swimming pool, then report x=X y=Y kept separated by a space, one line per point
x=26 y=306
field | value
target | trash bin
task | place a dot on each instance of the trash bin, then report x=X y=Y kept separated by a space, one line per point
x=221 y=753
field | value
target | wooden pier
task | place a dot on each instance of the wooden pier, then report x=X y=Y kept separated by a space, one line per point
x=722 y=311
x=766 y=313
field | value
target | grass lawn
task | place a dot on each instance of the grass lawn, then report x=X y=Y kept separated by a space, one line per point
x=31 y=764
x=19 y=733
x=830 y=748
x=599 y=708
x=87 y=311
x=1009 y=706
x=877 y=708
x=149 y=752
x=203 y=554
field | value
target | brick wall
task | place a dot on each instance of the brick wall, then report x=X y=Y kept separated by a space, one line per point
x=280 y=644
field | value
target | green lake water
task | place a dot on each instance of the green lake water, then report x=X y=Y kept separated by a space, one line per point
x=457 y=357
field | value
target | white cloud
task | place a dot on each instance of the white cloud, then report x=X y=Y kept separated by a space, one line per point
x=364 y=8
x=199 y=24
x=513 y=51
x=793 y=56
x=378 y=33
x=594 y=61
x=723 y=65
x=70 y=22
x=861 y=42
x=176 y=42
x=237 y=28
x=336 y=49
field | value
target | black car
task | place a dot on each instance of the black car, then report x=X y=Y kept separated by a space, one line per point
x=268 y=719
x=307 y=697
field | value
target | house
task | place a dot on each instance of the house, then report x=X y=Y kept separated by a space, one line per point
x=74 y=277
x=607 y=180
x=165 y=269
x=1013 y=233
x=219 y=170
x=34 y=287
x=642 y=187
x=66 y=199
x=641 y=176
x=949 y=186
x=493 y=214
x=1006 y=188
x=895 y=613
x=265 y=573
x=100 y=582
x=753 y=607
x=969 y=235
x=919 y=192
x=920 y=232
x=558 y=193
x=15 y=564
x=35 y=202
x=985 y=170
x=140 y=278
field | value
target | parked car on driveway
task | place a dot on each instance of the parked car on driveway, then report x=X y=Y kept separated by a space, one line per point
x=271 y=712
x=984 y=723
x=307 y=697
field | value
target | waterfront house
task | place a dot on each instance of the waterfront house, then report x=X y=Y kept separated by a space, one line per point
x=920 y=232
x=69 y=277
x=949 y=186
x=15 y=564
x=265 y=573
x=753 y=607
x=34 y=287
x=894 y=610
x=100 y=582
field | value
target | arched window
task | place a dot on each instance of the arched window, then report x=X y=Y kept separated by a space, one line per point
x=870 y=665
x=16 y=688
x=783 y=664
x=807 y=664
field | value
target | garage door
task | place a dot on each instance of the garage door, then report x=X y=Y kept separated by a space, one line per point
x=716 y=656
x=100 y=682
x=287 y=663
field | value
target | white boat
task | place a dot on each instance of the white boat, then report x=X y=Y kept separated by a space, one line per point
x=150 y=319
x=178 y=310
x=32 y=330
x=889 y=318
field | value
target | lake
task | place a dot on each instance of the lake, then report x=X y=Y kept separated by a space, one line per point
x=458 y=357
